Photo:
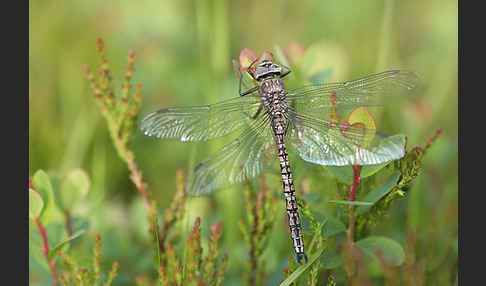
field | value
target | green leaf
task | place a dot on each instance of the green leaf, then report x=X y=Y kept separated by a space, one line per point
x=332 y=226
x=331 y=260
x=53 y=250
x=73 y=188
x=35 y=204
x=321 y=76
x=43 y=186
x=378 y=193
x=302 y=268
x=321 y=55
x=343 y=174
x=391 y=251
x=358 y=203
x=360 y=116
x=369 y=170
x=308 y=60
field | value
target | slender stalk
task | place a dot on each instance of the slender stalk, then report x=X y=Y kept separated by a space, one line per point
x=96 y=259
x=171 y=215
x=45 y=251
x=120 y=113
x=116 y=117
x=252 y=251
x=136 y=175
x=127 y=156
x=352 y=197
x=352 y=223
x=69 y=227
x=112 y=275
x=315 y=237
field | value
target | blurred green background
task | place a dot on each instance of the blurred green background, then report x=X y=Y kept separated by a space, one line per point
x=183 y=57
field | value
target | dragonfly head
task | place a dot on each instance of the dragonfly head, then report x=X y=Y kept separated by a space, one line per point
x=267 y=68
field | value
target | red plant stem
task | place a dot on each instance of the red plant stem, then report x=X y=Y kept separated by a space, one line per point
x=351 y=272
x=45 y=251
x=356 y=181
x=352 y=197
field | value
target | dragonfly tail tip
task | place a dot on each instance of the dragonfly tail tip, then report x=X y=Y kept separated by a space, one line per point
x=300 y=256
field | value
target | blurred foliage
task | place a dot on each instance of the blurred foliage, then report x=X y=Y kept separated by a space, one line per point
x=184 y=52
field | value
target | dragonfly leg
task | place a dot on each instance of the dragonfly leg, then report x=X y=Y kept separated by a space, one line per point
x=286 y=67
x=249 y=68
x=285 y=74
x=251 y=90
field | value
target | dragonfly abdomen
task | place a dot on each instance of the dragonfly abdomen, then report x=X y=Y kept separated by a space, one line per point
x=276 y=107
x=289 y=193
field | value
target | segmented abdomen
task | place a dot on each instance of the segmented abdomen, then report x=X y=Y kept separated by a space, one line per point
x=289 y=191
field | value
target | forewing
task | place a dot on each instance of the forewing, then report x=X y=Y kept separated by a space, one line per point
x=236 y=162
x=199 y=123
x=329 y=143
x=322 y=100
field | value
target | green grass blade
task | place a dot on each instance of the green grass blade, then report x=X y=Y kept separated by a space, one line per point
x=53 y=250
x=301 y=269
x=356 y=203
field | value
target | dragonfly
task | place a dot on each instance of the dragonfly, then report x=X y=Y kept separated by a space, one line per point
x=271 y=120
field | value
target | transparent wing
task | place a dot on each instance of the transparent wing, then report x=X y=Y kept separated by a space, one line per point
x=332 y=144
x=321 y=100
x=236 y=162
x=199 y=123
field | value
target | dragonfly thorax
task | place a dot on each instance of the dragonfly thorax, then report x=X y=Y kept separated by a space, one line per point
x=274 y=95
x=273 y=87
x=273 y=91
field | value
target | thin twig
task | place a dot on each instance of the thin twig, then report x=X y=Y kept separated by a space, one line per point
x=352 y=197
x=45 y=251
x=252 y=251
x=352 y=220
